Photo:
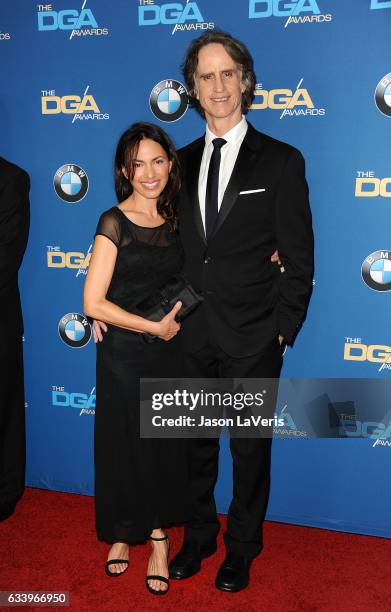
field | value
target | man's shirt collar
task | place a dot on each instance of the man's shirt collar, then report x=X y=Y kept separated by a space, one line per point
x=232 y=136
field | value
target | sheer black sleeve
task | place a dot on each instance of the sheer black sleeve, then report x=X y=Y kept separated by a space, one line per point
x=109 y=226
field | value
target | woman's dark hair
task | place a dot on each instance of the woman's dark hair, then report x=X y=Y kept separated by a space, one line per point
x=126 y=152
x=235 y=49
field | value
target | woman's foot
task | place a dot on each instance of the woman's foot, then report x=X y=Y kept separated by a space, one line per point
x=158 y=561
x=118 y=551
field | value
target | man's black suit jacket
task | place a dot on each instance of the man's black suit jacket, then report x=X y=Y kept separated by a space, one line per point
x=248 y=301
x=14 y=226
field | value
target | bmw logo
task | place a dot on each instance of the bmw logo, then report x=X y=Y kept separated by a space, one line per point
x=383 y=95
x=70 y=183
x=74 y=330
x=169 y=100
x=376 y=271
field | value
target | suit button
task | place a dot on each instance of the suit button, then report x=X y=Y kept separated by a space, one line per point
x=207 y=260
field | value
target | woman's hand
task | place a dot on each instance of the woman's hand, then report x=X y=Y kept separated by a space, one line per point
x=98 y=327
x=167 y=328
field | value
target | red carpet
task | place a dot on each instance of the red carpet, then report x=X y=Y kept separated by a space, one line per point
x=50 y=544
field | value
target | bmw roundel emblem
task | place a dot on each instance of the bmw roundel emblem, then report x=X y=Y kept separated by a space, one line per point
x=71 y=183
x=376 y=271
x=383 y=95
x=74 y=329
x=169 y=100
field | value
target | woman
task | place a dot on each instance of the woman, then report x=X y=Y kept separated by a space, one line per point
x=138 y=482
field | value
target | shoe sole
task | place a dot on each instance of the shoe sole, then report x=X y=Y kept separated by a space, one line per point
x=228 y=590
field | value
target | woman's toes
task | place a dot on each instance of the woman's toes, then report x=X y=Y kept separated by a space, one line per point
x=118 y=551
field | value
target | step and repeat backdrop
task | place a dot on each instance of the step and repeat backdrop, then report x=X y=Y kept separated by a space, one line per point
x=75 y=74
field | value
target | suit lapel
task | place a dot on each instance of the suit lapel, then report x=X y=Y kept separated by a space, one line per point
x=248 y=152
x=193 y=171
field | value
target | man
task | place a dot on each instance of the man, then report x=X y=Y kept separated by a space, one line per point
x=244 y=195
x=14 y=226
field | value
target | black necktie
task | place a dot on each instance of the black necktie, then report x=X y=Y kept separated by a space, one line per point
x=212 y=187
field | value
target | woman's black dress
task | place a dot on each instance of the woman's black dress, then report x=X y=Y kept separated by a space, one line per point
x=139 y=482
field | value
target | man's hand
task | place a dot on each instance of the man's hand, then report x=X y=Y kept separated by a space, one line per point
x=275 y=258
x=98 y=327
x=281 y=340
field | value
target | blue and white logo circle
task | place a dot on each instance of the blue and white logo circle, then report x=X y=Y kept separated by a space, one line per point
x=376 y=271
x=169 y=100
x=71 y=183
x=383 y=95
x=74 y=329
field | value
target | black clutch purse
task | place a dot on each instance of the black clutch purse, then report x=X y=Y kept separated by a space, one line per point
x=159 y=303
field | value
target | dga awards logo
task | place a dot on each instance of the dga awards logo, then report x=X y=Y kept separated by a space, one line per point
x=71 y=183
x=355 y=349
x=291 y=103
x=184 y=16
x=370 y=186
x=376 y=271
x=288 y=427
x=351 y=427
x=295 y=11
x=71 y=260
x=79 y=22
x=383 y=95
x=74 y=330
x=83 y=402
x=380 y=4
x=5 y=36
x=83 y=108
x=169 y=100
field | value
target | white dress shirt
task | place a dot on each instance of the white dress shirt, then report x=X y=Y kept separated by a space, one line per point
x=229 y=154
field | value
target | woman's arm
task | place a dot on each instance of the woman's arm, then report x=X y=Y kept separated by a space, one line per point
x=97 y=306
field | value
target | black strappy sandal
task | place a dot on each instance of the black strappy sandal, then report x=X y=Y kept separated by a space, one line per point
x=113 y=562
x=160 y=578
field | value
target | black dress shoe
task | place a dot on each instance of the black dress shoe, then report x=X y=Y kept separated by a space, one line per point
x=188 y=561
x=233 y=574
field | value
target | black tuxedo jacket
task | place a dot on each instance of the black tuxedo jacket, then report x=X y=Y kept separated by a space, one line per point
x=14 y=226
x=248 y=301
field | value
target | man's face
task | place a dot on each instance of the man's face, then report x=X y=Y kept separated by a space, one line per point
x=218 y=84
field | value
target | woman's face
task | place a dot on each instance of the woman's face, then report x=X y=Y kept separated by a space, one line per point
x=151 y=169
